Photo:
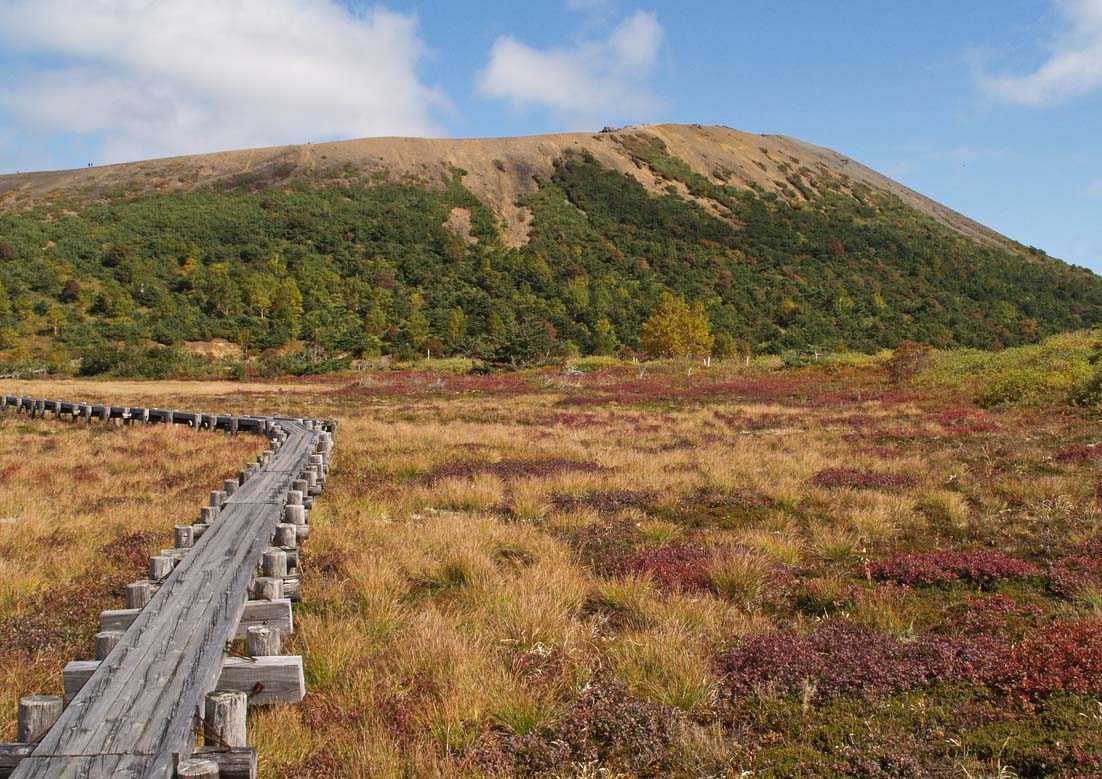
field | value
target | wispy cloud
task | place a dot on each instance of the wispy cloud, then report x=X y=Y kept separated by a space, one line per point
x=1073 y=66
x=175 y=76
x=595 y=81
x=1094 y=189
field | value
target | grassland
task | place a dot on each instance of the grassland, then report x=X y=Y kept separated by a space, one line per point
x=668 y=571
x=81 y=510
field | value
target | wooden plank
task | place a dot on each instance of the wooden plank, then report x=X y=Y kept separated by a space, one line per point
x=236 y=763
x=11 y=755
x=269 y=679
x=266 y=679
x=266 y=613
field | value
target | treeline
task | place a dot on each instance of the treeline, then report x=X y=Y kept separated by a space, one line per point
x=306 y=277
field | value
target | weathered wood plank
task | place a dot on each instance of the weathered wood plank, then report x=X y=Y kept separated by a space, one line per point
x=265 y=679
x=275 y=614
x=11 y=755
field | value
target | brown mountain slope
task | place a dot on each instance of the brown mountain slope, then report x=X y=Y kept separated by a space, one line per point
x=497 y=170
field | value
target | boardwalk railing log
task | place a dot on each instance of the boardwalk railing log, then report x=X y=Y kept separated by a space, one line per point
x=163 y=672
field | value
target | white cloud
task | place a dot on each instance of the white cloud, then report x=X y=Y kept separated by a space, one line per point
x=160 y=77
x=589 y=83
x=1095 y=188
x=1073 y=67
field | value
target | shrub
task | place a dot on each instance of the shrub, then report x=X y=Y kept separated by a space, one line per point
x=1062 y=657
x=843 y=659
x=1016 y=386
x=1088 y=393
x=156 y=362
x=1078 y=453
x=993 y=615
x=857 y=478
x=908 y=360
x=676 y=566
x=1080 y=572
x=942 y=566
x=604 y=725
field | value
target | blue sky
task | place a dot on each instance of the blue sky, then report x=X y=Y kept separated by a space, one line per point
x=993 y=108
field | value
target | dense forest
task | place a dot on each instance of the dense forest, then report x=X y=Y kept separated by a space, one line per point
x=307 y=276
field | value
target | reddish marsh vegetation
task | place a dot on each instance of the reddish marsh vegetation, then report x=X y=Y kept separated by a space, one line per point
x=789 y=574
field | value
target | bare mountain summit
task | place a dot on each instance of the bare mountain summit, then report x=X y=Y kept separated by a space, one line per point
x=499 y=171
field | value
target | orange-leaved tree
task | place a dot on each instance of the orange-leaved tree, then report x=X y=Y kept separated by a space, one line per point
x=677 y=329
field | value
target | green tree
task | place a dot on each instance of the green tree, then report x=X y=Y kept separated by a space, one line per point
x=456 y=328
x=286 y=308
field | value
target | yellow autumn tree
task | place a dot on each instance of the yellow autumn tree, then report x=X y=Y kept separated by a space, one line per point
x=677 y=329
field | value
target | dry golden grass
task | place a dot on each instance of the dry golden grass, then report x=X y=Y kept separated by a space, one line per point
x=451 y=599
x=81 y=509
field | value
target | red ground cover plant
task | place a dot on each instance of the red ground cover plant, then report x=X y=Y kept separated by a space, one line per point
x=858 y=478
x=677 y=566
x=1071 y=575
x=1062 y=657
x=603 y=726
x=964 y=421
x=604 y=547
x=945 y=565
x=1078 y=453
x=993 y=614
x=842 y=659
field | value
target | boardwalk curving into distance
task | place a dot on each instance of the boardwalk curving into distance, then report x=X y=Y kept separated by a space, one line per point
x=136 y=712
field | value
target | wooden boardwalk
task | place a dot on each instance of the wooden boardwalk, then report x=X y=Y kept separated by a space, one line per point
x=137 y=713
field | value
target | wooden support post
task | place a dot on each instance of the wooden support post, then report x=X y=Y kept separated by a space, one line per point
x=198 y=529
x=197 y=768
x=37 y=714
x=312 y=486
x=262 y=641
x=138 y=594
x=292 y=589
x=229 y=486
x=184 y=536
x=285 y=536
x=274 y=562
x=224 y=719
x=294 y=514
x=160 y=567
x=106 y=640
x=207 y=515
x=268 y=588
x=217 y=498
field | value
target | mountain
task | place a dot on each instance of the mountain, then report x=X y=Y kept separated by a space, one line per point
x=512 y=248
